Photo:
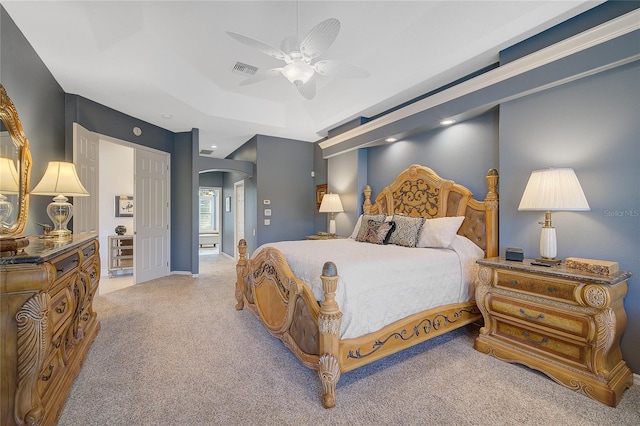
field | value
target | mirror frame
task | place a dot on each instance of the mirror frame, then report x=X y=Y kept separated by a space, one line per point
x=9 y=116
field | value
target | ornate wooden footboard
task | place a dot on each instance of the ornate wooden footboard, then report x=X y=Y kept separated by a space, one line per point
x=288 y=309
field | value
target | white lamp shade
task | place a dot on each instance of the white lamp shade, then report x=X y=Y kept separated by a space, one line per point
x=9 y=179
x=60 y=178
x=553 y=190
x=331 y=204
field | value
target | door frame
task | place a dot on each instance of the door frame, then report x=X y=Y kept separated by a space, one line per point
x=235 y=216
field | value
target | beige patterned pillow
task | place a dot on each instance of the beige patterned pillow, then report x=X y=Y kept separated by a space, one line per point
x=407 y=230
x=378 y=232
x=365 y=218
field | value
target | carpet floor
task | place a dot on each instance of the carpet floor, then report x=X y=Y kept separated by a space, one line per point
x=174 y=351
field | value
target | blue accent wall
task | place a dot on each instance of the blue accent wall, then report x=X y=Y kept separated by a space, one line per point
x=592 y=126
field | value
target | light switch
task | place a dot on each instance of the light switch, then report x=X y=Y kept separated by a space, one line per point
x=267 y=222
x=267 y=212
x=266 y=202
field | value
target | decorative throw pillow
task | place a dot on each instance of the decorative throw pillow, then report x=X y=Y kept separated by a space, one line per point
x=407 y=230
x=363 y=220
x=378 y=232
x=439 y=232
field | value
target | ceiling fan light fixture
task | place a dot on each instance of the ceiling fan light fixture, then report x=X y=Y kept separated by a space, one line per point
x=298 y=72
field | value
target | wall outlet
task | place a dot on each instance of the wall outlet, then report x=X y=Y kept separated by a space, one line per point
x=266 y=202
x=267 y=222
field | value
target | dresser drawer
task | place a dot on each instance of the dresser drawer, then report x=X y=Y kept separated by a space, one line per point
x=51 y=373
x=538 y=285
x=563 y=349
x=61 y=307
x=540 y=315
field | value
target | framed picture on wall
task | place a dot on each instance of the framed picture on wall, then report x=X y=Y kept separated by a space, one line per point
x=320 y=191
x=124 y=206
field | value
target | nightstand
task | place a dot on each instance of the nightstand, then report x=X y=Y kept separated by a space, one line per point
x=323 y=237
x=563 y=322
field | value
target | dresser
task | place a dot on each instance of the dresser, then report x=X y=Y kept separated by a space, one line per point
x=120 y=253
x=48 y=325
x=562 y=322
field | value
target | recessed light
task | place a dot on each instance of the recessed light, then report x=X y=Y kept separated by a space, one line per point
x=167 y=116
x=391 y=140
x=214 y=146
x=447 y=122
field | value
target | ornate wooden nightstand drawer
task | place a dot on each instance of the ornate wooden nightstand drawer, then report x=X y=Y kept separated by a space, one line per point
x=553 y=289
x=540 y=315
x=564 y=349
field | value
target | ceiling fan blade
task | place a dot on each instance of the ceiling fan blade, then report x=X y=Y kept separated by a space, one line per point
x=319 y=38
x=259 y=46
x=308 y=90
x=261 y=75
x=339 y=69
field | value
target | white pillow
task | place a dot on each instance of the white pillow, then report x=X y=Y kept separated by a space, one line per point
x=354 y=234
x=439 y=232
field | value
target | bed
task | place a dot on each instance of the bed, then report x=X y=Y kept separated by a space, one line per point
x=334 y=323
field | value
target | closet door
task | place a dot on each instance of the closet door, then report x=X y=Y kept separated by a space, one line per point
x=151 y=217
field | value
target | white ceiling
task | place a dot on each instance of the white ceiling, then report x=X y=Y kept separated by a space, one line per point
x=169 y=63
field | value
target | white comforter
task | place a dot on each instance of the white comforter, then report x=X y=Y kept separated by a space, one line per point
x=380 y=284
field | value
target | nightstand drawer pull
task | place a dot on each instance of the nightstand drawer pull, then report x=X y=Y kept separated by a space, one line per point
x=551 y=289
x=523 y=312
x=537 y=342
x=513 y=282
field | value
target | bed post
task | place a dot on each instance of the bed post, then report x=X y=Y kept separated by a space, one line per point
x=242 y=263
x=366 y=206
x=329 y=322
x=491 y=202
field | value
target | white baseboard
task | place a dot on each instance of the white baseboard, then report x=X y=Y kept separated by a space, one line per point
x=225 y=254
x=181 y=273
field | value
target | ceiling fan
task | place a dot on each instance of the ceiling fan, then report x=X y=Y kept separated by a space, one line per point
x=299 y=54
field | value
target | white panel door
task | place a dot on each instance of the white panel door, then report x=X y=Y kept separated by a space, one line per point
x=239 y=214
x=151 y=215
x=85 y=158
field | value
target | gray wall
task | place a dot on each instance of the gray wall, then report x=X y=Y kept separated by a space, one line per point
x=211 y=179
x=462 y=152
x=592 y=126
x=39 y=100
x=283 y=176
x=347 y=178
x=284 y=169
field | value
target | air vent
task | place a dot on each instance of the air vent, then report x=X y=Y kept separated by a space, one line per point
x=206 y=151
x=244 y=69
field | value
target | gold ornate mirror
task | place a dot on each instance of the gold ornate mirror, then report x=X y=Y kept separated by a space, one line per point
x=15 y=169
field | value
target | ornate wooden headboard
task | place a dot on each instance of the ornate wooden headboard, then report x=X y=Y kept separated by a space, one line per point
x=419 y=191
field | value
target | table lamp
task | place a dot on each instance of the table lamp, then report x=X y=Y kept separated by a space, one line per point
x=552 y=190
x=9 y=184
x=331 y=204
x=61 y=180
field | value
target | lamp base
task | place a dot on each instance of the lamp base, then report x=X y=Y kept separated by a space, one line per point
x=60 y=212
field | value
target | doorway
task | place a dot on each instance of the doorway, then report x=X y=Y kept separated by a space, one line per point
x=140 y=176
